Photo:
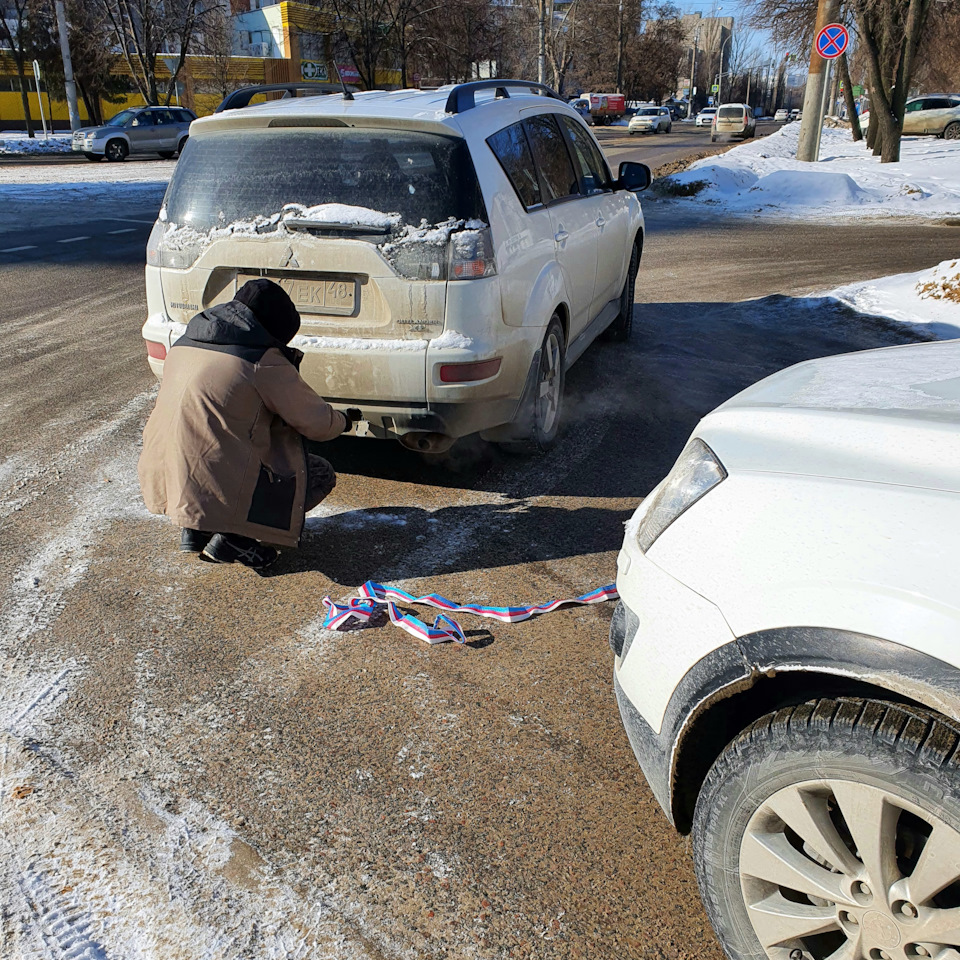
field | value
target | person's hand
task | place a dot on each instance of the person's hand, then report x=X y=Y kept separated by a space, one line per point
x=351 y=415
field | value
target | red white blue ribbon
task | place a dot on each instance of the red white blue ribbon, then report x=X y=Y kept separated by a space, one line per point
x=373 y=595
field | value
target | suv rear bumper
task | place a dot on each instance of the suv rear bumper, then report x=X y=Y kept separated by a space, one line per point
x=412 y=397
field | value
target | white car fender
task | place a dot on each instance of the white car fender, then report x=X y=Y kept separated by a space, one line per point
x=549 y=291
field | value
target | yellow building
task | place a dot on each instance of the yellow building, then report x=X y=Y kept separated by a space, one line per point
x=279 y=43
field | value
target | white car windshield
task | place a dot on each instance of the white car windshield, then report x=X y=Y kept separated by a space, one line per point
x=652 y=112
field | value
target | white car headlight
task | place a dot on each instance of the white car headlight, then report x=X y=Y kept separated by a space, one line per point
x=696 y=471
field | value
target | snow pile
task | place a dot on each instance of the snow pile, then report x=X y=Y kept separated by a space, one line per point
x=19 y=145
x=341 y=213
x=928 y=301
x=941 y=283
x=451 y=340
x=764 y=176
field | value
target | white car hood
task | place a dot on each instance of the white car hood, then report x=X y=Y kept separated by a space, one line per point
x=885 y=416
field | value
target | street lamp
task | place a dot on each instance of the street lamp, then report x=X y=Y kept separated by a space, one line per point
x=693 y=74
x=720 y=74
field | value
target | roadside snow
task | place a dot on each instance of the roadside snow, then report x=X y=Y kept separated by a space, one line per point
x=763 y=176
x=928 y=300
x=17 y=143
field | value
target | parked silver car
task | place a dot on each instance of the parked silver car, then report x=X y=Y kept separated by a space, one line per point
x=934 y=114
x=160 y=130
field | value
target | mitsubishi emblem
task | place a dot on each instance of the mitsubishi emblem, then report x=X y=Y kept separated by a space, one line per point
x=289 y=260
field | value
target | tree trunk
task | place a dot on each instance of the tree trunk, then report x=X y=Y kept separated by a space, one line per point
x=849 y=100
x=25 y=100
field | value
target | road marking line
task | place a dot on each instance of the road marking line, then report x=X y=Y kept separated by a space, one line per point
x=129 y=220
x=18 y=249
x=124 y=230
x=72 y=239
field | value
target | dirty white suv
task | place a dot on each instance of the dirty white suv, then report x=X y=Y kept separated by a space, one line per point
x=451 y=252
x=788 y=657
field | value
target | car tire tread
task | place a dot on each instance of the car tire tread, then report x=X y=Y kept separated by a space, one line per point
x=854 y=734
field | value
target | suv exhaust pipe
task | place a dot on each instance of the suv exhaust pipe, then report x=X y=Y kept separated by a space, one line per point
x=428 y=442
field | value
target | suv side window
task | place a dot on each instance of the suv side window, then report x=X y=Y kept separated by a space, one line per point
x=550 y=153
x=937 y=103
x=182 y=116
x=916 y=105
x=510 y=147
x=144 y=119
x=594 y=175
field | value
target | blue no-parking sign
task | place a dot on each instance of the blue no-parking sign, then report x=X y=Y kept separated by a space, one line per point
x=832 y=40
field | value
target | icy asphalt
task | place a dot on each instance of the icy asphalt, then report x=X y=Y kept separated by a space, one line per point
x=190 y=767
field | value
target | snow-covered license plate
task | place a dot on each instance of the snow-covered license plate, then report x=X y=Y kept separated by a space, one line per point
x=332 y=297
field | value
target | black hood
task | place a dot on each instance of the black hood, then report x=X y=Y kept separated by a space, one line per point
x=233 y=324
x=233 y=328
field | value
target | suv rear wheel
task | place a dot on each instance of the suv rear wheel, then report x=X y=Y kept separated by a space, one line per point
x=620 y=329
x=832 y=829
x=952 y=131
x=541 y=422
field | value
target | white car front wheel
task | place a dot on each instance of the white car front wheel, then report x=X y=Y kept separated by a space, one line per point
x=831 y=829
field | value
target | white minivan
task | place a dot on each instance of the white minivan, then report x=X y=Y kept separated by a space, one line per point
x=451 y=252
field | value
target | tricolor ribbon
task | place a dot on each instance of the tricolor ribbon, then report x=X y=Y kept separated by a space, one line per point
x=373 y=595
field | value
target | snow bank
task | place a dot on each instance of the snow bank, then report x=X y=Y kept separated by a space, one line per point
x=19 y=144
x=928 y=301
x=763 y=176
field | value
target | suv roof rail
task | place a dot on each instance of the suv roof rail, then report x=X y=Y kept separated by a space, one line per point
x=243 y=96
x=462 y=95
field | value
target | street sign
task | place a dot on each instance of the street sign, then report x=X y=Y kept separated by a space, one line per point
x=832 y=41
x=715 y=88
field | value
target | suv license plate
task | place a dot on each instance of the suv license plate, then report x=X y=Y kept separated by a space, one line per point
x=331 y=297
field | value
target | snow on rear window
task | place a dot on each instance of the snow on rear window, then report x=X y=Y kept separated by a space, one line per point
x=243 y=175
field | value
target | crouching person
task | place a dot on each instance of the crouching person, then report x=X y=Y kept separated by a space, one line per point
x=223 y=450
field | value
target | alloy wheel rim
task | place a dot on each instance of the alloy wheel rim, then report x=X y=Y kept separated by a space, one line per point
x=548 y=401
x=115 y=151
x=952 y=132
x=838 y=870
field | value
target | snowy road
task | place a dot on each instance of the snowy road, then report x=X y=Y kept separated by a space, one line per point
x=190 y=767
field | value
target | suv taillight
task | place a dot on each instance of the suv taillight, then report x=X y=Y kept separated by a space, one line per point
x=169 y=246
x=441 y=254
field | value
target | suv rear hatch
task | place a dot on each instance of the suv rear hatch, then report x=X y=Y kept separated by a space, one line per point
x=361 y=226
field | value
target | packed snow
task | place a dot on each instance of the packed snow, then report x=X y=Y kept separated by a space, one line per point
x=764 y=176
x=17 y=143
x=928 y=301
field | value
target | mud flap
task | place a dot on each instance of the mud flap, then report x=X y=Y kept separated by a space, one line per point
x=521 y=426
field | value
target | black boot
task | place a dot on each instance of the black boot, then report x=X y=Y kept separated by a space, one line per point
x=232 y=548
x=193 y=541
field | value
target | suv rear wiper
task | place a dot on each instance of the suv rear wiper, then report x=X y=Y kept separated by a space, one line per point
x=298 y=223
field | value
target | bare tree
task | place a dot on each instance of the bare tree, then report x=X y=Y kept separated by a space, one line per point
x=653 y=57
x=23 y=15
x=890 y=32
x=366 y=30
x=145 y=29
x=216 y=42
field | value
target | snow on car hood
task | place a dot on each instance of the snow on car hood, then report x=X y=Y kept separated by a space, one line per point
x=888 y=416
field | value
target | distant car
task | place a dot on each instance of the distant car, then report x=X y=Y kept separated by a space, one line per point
x=678 y=110
x=650 y=120
x=705 y=116
x=138 y=130
x=795 y=114
x=733 y=120
x=935 y=115
x=787 y=657
x=583 y=108
x=782 y=116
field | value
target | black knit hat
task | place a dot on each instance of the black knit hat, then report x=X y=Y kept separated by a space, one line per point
x=272 y=307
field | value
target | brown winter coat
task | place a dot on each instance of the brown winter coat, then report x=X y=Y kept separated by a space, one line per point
x=223 y=449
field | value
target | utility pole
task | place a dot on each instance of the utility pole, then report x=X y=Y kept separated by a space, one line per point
x=720 y=74
x=620 y=47
x=542 y=38
x=68 y=83
x=810 y=126
x=693 y=74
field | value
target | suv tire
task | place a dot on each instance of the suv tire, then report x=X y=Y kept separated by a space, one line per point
x=620 y=329
x=952 y=131
x=786 y=810
x=116 y=151
x=546 y=406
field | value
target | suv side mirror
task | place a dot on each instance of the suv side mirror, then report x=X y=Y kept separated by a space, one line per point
x=633 y=176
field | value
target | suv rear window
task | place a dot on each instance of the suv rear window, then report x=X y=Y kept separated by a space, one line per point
x=232 y=176
x=730 y=113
